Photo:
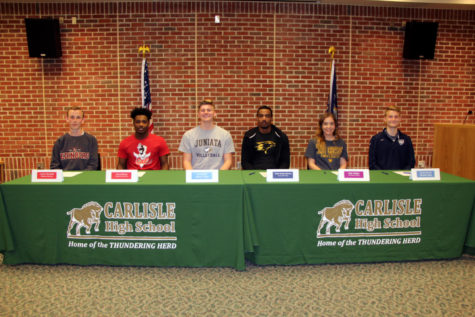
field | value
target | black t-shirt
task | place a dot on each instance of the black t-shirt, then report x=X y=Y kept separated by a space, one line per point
x=265 y=151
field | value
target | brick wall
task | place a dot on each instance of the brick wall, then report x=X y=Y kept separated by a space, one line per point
x=261 y=53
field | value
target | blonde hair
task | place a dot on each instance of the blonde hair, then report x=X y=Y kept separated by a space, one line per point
x=391 y=108
x=207 y=101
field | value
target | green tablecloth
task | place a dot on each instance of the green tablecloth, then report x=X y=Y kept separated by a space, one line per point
x=184 y=224
x=389 y=218
x=470 y=240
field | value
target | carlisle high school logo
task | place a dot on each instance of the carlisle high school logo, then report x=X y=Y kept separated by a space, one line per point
x=124 y=225
x=388 y=221
x=87 y=216
x=335 y=216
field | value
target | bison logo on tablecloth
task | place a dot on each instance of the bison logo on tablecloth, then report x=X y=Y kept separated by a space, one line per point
x=335 y=216
x=86 y=216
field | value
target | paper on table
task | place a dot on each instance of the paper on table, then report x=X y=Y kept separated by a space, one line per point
x=140 y=174
x=403 y=173
x=70 y=174
x=264 y=174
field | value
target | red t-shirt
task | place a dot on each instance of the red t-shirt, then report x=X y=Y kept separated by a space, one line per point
x=143 y=154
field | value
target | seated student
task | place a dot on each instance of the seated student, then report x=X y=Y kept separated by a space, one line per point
x=207 y=146
x=143 y=150
x=265 y=146
x=326 y=151
x=391 y=149
x=75 y=150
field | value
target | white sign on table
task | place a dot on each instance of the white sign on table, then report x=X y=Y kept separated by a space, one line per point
x=48 y=176
x=425 y=174
x=282 y=175
x=202 y=176
x=122 y=176
x=353 y=175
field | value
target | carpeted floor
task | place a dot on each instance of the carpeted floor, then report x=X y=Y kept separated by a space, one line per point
x=427 y=288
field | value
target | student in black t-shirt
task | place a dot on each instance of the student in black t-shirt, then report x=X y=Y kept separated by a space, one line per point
x=265 y=146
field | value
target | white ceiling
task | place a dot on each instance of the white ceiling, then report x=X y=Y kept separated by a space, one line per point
x=432 y=4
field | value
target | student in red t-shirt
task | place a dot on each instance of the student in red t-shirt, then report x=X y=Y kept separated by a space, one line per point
x=143 y=150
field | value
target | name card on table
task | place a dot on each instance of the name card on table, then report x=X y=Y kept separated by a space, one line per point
x=282 y=175
x=49 y=176
x=353 y=175
x=425 y=174
x=202 y=176
x=122 y=176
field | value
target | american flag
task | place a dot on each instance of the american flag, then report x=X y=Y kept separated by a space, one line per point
x=332 y=105
x=146 y=97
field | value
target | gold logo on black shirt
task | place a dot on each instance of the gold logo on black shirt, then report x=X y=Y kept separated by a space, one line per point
x=265 y=146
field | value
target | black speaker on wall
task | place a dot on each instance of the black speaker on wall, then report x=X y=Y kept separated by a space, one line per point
x=43 y=37
x=420 y=39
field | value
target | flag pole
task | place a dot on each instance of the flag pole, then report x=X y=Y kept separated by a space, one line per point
x=145 y=83
x=332 y=104
x=331 y=51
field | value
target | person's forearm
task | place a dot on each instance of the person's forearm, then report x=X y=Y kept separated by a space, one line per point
x=226 y=165
x=312 y=165
x=121 y=165
x=343 y=163
x=187 y=165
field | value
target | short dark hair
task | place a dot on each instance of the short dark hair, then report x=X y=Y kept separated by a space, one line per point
x=73 y=108
x=264 y=107
x=141 y=111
